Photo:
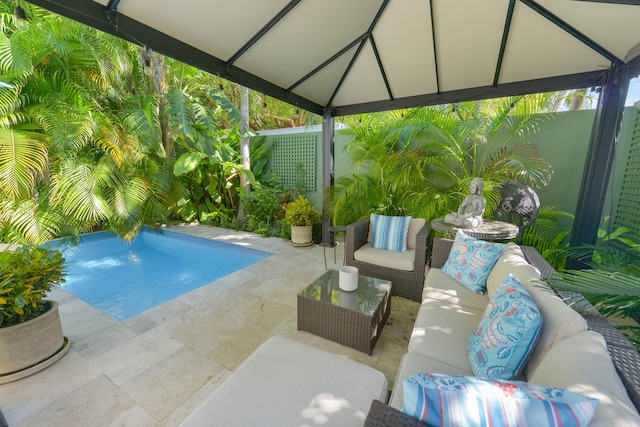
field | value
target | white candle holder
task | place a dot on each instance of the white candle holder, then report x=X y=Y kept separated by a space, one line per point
x=348 y=279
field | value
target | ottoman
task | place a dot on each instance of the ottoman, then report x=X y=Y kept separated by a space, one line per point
x=287 y=383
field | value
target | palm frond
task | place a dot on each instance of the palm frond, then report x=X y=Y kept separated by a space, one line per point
x=15 y=55
x=23 y=156
x=598 y=282
x=78 y=190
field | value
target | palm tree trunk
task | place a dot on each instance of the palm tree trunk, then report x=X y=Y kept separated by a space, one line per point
x=244 y=143
x=155 y=68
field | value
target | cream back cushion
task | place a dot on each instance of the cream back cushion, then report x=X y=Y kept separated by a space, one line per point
x=414 y=228
x=559 y=321
x=582 y=364
x=511 y=261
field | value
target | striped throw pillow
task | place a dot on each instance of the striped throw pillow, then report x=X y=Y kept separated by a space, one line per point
x=390 y=232
x=455 y=401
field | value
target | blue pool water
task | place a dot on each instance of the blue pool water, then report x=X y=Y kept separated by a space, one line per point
x=124 y=279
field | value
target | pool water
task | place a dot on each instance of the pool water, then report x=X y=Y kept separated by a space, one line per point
x=123 y=279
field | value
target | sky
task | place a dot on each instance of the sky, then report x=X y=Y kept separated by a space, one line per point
x=633 y=95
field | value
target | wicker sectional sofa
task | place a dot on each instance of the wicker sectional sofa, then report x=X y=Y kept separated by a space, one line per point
x=568 y=355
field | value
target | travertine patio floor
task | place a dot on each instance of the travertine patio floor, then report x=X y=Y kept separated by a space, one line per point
x=154 y=368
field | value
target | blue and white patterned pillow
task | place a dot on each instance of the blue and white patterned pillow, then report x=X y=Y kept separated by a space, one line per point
x=471 y=260
x=507 y=334
x=451 y=400
x=390 y=232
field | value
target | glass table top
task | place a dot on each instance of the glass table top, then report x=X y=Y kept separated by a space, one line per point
x=364 y=300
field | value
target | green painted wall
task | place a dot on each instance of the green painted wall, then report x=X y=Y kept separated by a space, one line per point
x=563 y=142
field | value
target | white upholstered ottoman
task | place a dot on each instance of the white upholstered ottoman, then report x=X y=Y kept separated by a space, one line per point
x=286 y=383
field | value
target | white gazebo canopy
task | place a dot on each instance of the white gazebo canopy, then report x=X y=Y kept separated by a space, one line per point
x=365 y=55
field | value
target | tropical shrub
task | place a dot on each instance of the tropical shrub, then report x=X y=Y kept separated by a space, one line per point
x=549 y=234
x=73 y=159
x=90 y=129
x=301 y=212
x=612 y=280
x=263 y=209
x=26 y=275
x=420 y=163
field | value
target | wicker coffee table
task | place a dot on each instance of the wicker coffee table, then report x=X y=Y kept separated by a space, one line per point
x=354 y=319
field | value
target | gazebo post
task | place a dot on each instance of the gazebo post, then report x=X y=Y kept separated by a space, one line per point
x=328 y=131
x=600 y=156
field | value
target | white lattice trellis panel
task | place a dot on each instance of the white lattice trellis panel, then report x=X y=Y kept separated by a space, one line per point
x=294 y=160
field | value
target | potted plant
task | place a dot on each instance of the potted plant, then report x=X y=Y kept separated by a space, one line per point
x=31 y=335
x=301 y=215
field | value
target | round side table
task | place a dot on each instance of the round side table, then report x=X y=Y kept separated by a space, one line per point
x=489 y=230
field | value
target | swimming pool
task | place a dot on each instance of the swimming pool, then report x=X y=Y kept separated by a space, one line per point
x=123 y=279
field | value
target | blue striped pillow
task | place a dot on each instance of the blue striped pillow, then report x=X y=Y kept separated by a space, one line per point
x=390 y=232
x=507 y=334
x=454 y=400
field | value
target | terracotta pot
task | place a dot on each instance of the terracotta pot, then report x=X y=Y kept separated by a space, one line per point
x=302 y=235
x=30 y=346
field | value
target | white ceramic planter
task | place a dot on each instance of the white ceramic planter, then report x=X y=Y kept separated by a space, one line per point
x=302 y=235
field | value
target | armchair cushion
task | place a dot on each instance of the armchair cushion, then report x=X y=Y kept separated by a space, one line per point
x=399 y=260
x=390 y=232
x=439 y=286
x=414 y=228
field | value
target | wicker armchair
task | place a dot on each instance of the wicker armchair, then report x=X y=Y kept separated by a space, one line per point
x=406 y=284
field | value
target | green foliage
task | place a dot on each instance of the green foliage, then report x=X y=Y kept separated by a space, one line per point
x=611 y=283
x=420 y=163
x=264 y=203
x=549 y=235
x=89 y=140
x=26 y=275
x=301 y=212
x=260 y=150
x=209 y=165
x=78 y=133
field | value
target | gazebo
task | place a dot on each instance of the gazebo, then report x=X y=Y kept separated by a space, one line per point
x=335 y=57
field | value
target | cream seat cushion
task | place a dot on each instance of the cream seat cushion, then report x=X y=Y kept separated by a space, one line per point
x=512 y=260
x=412 y=364
x=559 y=321
x=398 y=260
x=442 y=332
